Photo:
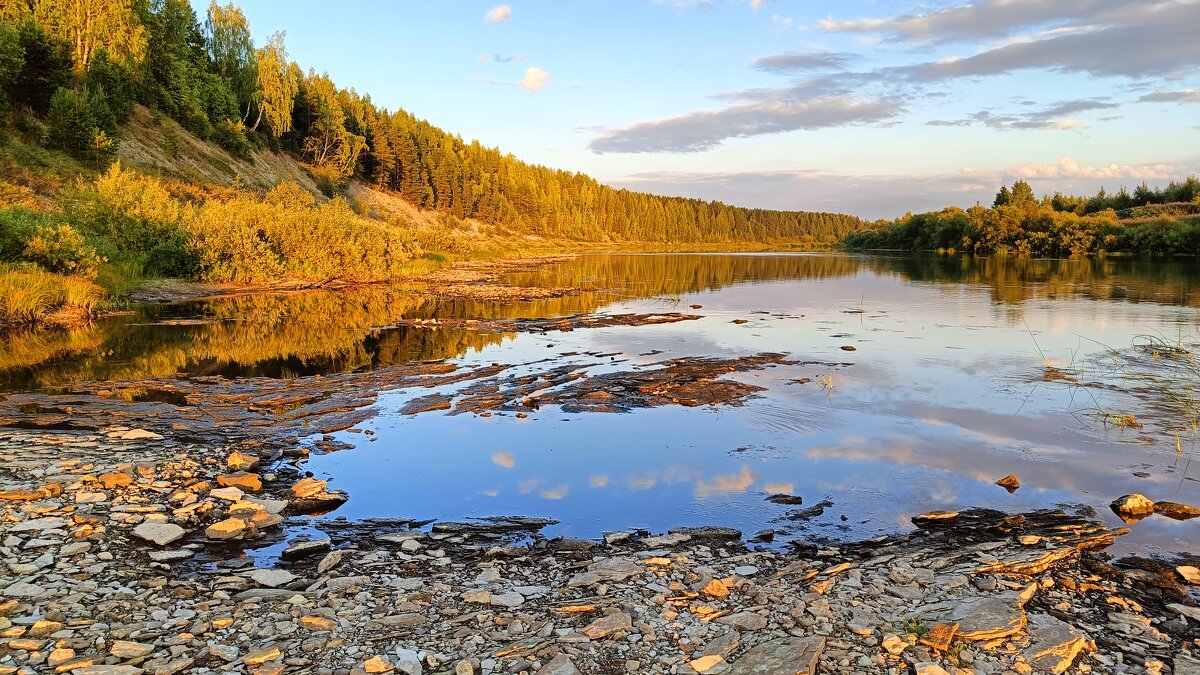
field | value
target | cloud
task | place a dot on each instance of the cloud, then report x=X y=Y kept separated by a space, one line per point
x=981 y=20
x=889 y=195
x=1182 y=96
x=705 y=129
x=798 y=62
x=504 y=459
x=535 y=78
x=1048 y=118
x=499 y=14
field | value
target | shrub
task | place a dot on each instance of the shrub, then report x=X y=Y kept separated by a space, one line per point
x=136 y=215
x=231 y=135
x=59 y=248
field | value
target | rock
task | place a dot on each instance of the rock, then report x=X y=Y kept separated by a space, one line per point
x=229 y=494
x=1054 y=644
x=24 y=590
x=139 y=435
x=717 y=589
x=308 y=487
x=376 y=664
x=160 y=534
x=330 y=561
x=559 y=665
x=706 y=664
x=1186 y=665
x=1133 y=507
x=171 y=555
x=1192 y=613
x=934 y=517
x=479 y=597
x=317 y=623
x=111 y=481
x=408 y=620
x=408 y=662
x=745 y=570
x=607 y=625
x=303 y=549
x=240 y=461
x=744 y=621
x=982 y=618
x=893 y=645
x=929 y=668
x=257 y=657
x=1009 y=482
x=510 y=599
x=1176 y=511
x=246 y=482
x=785 y=656
x=230 y=528
x=464 y=667
x=108 y=670
x=123 y=649
x=939 y=636
x=270 y=578
x=227 y=653
x=60 y=656
x=1189 y=574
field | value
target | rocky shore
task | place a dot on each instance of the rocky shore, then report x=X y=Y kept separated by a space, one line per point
x=130 y=551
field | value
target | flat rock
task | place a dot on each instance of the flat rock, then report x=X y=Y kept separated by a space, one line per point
x=986 y=617
x=786 y=656
x=124 y=649
x=160 y=534
x=1054 y=644
x=559 y=665
x=744 y=621
x=607 y=625
x=1176 y=510
x=303 y=549
x=230 y=528
x=1189 y=574
x=270 y=578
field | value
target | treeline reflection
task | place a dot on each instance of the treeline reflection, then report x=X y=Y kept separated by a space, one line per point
x=354 y=329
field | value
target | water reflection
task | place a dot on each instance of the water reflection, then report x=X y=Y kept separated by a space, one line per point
x=939 y=399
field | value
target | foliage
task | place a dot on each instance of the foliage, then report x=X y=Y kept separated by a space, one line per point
x=29 y=295
x=46 y=67
x=59 y=248
x=137 y=218
x=93 y=25
x=278 y=84
x=12 y=58
x=81 y=124
x=1020 y=224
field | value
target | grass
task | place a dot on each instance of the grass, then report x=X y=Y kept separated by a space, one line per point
x=29 y=295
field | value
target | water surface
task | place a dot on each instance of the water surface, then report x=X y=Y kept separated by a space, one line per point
x=942 y=394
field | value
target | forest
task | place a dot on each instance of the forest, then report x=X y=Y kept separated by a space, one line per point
x=1149 y=221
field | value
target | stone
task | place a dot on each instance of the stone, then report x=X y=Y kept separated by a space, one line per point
x=318 y=623
x=139 y=435
x=24 y=590
x=934 y=517
x=705 y=664
x=510 y=599
x=407 y=620
x=1186 y=665
x=717 y=589
x=111 y=481
x=270 y=578
x=1192 y=613
x=108 y=670
x=929 y=668
x=559 y=665
x=306 y=488
x=785 y=656
x=230 y=528
x=159 y=534
x=982 y=618
x=330 y=561
x=376 y=664
x=1189 y=574
x=464 y=667
x=227 y=653
x=745 y=570
x=408 y=662
x=893 y=645
x=123 y=649
x=240 y=461
x=1133 y=507
x=1009 y=482
x=744 y=621
x=939 y=636
x=246 y=482
x=257 y=657
x=60 y=656
x=1054 y=644
x=303 y=549
x=171 y=555
x=607 y=625
x=1176 y=510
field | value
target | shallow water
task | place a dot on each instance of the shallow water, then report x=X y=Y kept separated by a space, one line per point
x=942 y=395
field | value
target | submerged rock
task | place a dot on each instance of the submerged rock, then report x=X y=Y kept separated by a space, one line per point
x=1176 y=511
x=1009 y=482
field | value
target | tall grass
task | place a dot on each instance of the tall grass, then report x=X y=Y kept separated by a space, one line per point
x=30 y=295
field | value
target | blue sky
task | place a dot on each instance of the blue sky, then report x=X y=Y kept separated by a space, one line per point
x=867 y=107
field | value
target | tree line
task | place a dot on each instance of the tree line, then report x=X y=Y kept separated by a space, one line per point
x=1165 y=221
x=80 y=64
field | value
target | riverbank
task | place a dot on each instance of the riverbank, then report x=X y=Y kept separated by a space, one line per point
x=133 y=551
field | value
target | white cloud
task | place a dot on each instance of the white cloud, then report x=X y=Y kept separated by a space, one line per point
x=499 y=14
x=1182 y=96
x=1069 y=168
x=535 y=78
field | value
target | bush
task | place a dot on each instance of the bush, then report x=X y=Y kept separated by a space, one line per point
x=136 y=216
x=59 y=248
x=231 y=135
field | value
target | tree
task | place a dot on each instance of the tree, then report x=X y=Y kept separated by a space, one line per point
x=69 y=123
x=1022 y=194
x=46 y=68
x=328 y=144
x=232 y=52
x=12 y=58
x=1003 y=197
x=89 y=25
x=277 y=86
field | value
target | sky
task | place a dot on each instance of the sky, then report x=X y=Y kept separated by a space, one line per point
x=870 y=107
